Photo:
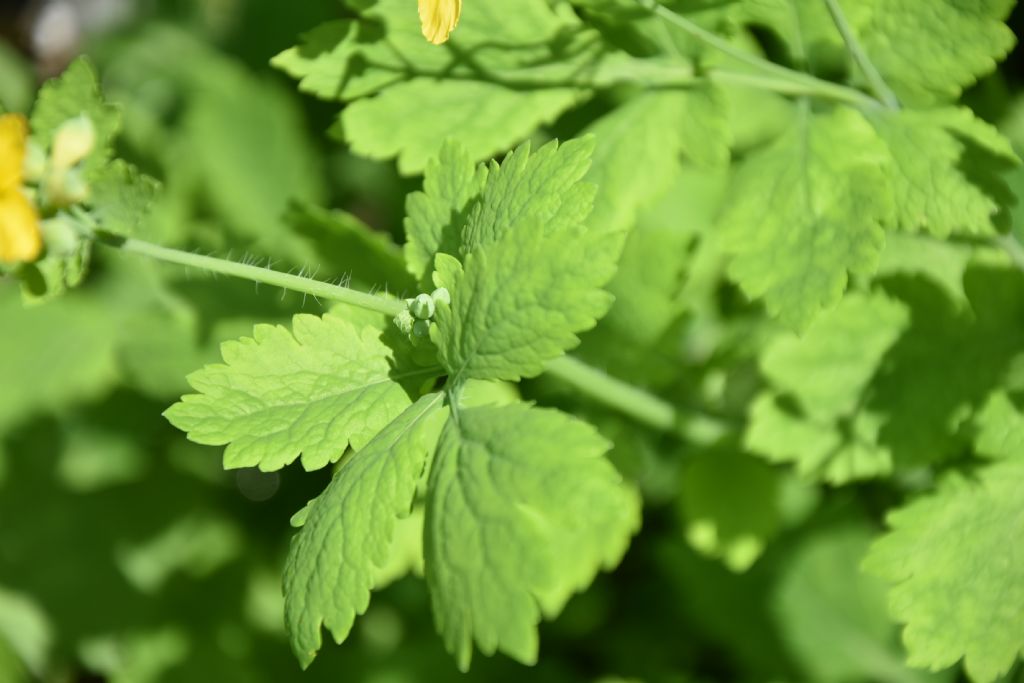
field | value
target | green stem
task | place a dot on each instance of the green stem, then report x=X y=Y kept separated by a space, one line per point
x=875 y=81
x=613 y=393
x=642 y=406
x=295 y=283
x=811 y=85
x=786 y=86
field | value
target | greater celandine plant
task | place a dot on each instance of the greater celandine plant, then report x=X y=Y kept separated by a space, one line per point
x=866 y=216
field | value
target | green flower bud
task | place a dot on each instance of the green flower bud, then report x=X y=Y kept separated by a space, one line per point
x=441 y=295
x=422 y=307
x=421 y=329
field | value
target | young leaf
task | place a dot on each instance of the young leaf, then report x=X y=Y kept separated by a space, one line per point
x=806 y=211
x=435 y=216
x=522 y=511
x=532 y=272
x=313 y=391
x=347 y=530
x=957 y=573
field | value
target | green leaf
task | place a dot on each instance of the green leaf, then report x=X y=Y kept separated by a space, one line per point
x=121 y=197
x=704 y=126
x=833 y=617
x=313 y=391
x=1000 y=428
x=805 y=28
x=40 y=371
x=828 y=368
x=636 y=157
x=74 y=93
x=807 y=211
x=17 y=80
x=486 y=117
x=436 y=216
x=828 y=433
x=320 y=61
x=348 y=529
x=956 y=572
x=532 y=272
x=26 y=629
x=835 y=453
x=942 y=262
x=932 y=183
x=929 y=50
x=507 y=70
x=522 y=511
x=948 y=362
x=245 y=141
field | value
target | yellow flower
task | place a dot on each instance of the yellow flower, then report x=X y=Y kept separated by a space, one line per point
x=20 y=239
x=438 y=18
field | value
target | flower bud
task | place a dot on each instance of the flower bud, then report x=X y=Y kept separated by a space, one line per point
x=422 y=307
x=421 y=329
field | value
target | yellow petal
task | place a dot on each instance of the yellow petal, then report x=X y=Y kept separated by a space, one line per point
x=20 y=239
x=438 y=18
x=13 y=132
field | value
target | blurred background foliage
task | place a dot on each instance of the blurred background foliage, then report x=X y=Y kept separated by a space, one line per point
x=128 y=555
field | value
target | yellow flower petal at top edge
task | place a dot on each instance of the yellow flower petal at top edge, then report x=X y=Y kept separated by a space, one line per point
x=438 y=18
x=20 y=239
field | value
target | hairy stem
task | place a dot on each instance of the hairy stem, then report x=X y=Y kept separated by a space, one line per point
x=808 y=84
x=623 y=397
x=295 y=283
x=877 y=84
